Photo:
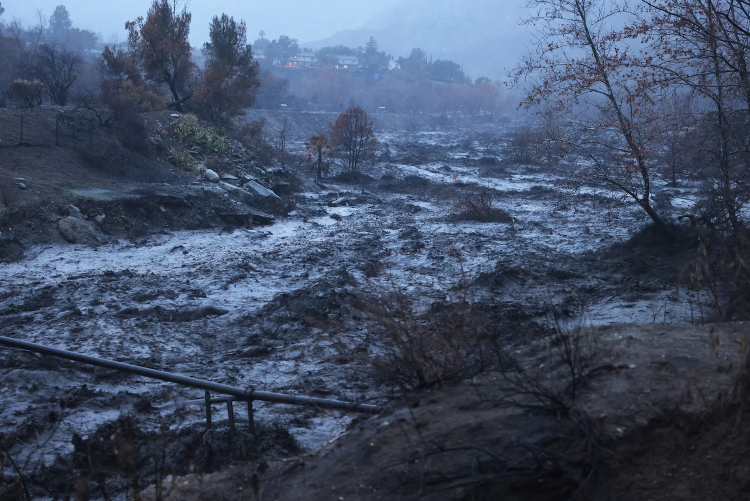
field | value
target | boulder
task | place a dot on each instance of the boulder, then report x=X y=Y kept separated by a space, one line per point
x=264 y=195
x=78 y=231
x=342 y=202
x=238 y=193
x=211 y=176
x=74 y=211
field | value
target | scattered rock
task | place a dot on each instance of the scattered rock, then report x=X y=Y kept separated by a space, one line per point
x=261 y=191
x=335 y=216
x=74 y=211
x=229 y=177
x=42 y=298
x=77 y=231
x=211 y=176
x=22 y=186
x=10 y=251
x=342 y=202
x=99 y=218
x=238 y=192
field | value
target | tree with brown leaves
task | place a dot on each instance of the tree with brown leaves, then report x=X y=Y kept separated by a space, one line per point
x=231 y=77
x=318 y=146
x=353 y=134
x=162 y=42
x=583 y=72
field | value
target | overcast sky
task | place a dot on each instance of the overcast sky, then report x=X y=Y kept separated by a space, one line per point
x=299 y=19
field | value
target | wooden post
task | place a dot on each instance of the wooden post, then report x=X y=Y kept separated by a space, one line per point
x=208 y=409
x=230 y=412
x=250 y=416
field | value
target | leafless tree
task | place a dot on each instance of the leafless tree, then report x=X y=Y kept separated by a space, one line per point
x=57 y=68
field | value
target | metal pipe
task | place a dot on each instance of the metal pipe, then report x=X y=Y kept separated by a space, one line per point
x=243 y=394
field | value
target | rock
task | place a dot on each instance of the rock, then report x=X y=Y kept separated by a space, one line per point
x=10 y=251
x=77 y=231
x=238 y=193
x=211 y=176
x=75 y=212
x=22 y=186
x=342 y=202
x=266 y=197
x=247 y=217
x=99 y=218
x=229 y=177
x=337 y=217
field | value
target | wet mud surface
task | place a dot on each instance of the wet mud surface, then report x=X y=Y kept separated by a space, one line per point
x=269 y=307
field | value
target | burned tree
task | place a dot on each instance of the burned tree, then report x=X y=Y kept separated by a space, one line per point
x=583 y=72
x=318 y=146
x=57 y=68
x=353 y=134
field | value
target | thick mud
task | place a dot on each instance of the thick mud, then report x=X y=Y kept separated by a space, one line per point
x=269 y=307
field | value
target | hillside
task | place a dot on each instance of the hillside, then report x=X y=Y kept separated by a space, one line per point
x=482 y=35
x=658 y=415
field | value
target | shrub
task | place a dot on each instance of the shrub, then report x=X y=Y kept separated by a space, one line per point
x=101 y=155
x=477 y=204
x=28 y=94
x=182 y=159
x=416 y=349
x=254 y=136
x=188 y=129
x=8 y=193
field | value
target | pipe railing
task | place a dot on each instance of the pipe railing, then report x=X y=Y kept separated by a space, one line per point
x=247 y=395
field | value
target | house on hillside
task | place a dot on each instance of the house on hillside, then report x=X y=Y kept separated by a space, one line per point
x=346 y=62
x=299 y=60
x=304 y=60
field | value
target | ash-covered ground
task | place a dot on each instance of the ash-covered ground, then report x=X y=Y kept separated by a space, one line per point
x=270 y=307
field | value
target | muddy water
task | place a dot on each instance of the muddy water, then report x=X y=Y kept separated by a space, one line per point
x=137 y=301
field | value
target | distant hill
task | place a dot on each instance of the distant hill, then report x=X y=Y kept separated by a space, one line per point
x=482 y=35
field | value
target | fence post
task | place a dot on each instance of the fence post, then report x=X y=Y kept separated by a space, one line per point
x=230 y=412
x=250 y=416
x=208 y=409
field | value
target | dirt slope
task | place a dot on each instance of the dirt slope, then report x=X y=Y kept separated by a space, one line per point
x=655 y=419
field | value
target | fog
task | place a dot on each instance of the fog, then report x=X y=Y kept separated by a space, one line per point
x=295 y=18
x=484 y=36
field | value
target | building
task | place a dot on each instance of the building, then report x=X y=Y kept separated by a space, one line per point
x=305 y=60
x=346 y=62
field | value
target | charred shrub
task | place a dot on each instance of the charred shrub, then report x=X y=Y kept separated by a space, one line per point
x=255 y=137
x=8 y=193
x=415 y=350
x=476 y=204
x=101 y=155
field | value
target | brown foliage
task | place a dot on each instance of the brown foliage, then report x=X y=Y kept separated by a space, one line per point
x=224 y=94
x=229 y=84
x=353 y=134
x=161 y=43
x=318 y=146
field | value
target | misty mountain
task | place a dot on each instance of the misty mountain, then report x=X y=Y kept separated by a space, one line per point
x=482 y=35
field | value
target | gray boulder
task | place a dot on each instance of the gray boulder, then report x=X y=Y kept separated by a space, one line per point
x=238 y=192
x=263 y=193
x=78 y=231
x=211 y=176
